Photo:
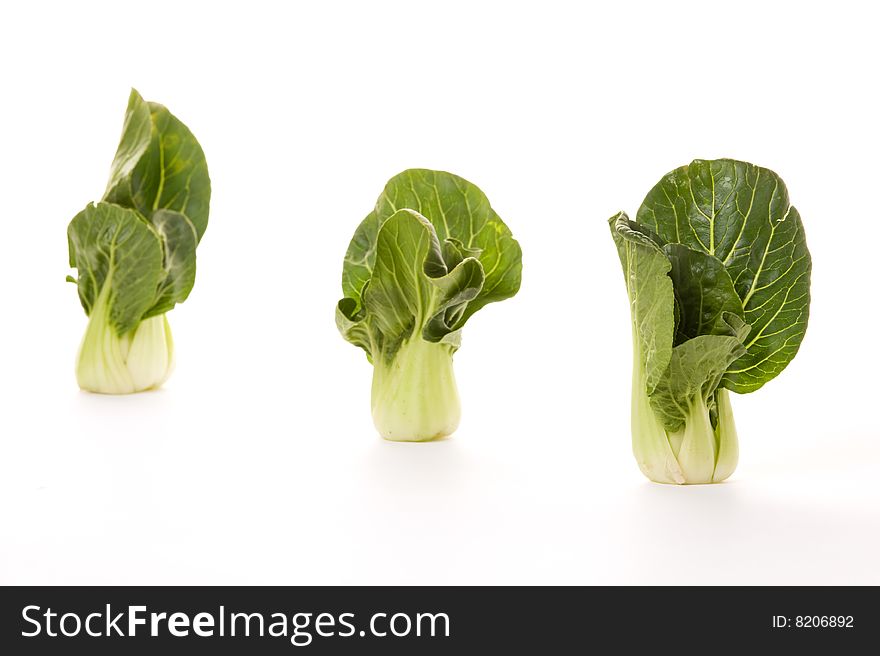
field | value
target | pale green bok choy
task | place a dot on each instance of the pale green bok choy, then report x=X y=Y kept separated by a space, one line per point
x=430 y=254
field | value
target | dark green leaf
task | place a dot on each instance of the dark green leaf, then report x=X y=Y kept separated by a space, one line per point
x=167 y=171
x=703 y=292
x=741 y=214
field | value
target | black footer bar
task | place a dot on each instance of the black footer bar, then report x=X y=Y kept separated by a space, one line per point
x=429 y=620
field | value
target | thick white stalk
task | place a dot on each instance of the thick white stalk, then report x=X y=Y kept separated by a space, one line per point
x=650 y=444
x=414 y=396
x=696 y=453
x=111 y=364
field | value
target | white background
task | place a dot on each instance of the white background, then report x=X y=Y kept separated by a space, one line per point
x=258 y=461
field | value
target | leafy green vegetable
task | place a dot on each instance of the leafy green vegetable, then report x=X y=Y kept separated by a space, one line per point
x=430 y=254
x=135 y=251
x=718 y=274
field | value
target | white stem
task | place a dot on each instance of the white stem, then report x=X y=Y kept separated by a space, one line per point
x=696 y=455
x=414 y=396
x=650 y=444
x=111 y=364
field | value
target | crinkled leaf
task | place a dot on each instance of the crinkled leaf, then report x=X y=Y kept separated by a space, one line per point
x=454 y=252
x=114 y=245
x=454 y=292
x=407 y=272
x=410 y=291
x=459 y=210
x=646 y=269
x=350 y=321
x=166 y=170
x=741 y=214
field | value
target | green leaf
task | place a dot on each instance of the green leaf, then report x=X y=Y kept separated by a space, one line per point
x=399 y=296
x=410 y=291
x=111 y=245
x=732 y=325
x=454 y=252
x=350 y=321
x=695 y=368
x=453 y=293
x=646 y=269
x=703 y=292
x=136 y=135
x=407 y=273
x=165 y=170
x=360 y=258
x=741 y=214
x=458 y=210
x=777 y=305
x=179 y=241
